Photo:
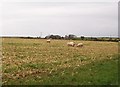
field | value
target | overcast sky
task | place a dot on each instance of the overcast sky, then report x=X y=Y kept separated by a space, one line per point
x=31 y=18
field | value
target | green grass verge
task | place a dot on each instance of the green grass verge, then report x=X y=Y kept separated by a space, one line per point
x=103 y=72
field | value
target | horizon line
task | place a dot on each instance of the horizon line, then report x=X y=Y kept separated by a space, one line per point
x=51 y=34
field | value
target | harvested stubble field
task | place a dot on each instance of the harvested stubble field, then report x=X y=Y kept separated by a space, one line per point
x=33 y=62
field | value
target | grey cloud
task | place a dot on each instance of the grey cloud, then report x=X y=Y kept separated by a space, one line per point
x=90 y=19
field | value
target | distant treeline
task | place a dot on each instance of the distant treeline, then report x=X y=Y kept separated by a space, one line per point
x=73 y=37
x=99 y=39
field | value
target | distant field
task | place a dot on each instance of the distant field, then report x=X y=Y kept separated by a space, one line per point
x=33 y=62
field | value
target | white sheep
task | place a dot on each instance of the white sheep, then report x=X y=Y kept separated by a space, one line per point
x=48 y=41
x=79 y=45
x=71 y=44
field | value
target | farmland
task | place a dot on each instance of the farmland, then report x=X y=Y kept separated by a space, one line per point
x=35 y=62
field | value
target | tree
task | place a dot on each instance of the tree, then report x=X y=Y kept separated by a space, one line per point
x=66 y=37
x=82 y=37
x=53 y=37
x=71 y=36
